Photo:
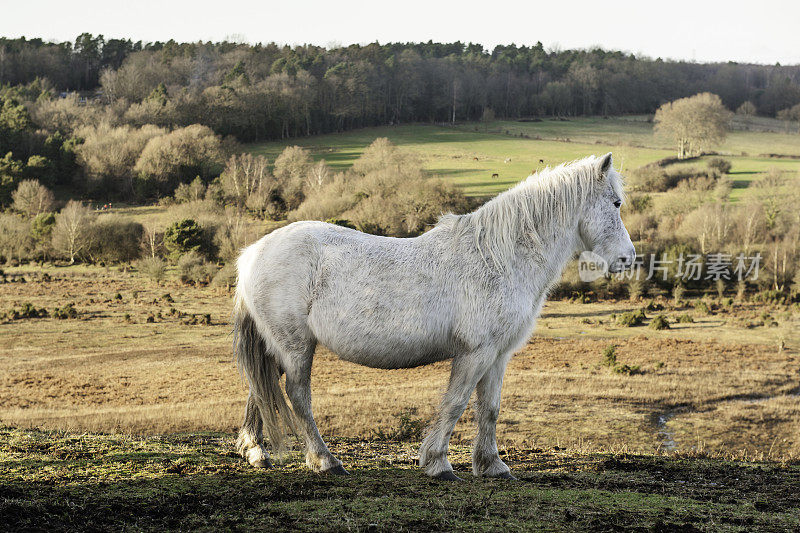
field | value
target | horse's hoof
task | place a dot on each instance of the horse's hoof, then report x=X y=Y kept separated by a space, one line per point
x=337 y=470
x=506 y=475
x=447 y=475
x=262 y=463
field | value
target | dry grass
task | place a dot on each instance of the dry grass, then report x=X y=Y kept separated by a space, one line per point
x=722 y=386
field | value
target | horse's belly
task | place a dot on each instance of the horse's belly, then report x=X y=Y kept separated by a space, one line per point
x=393 y=360
x=386 y=351
x=393 y=347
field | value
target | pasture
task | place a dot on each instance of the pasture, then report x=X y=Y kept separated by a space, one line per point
x=194 y=482
x=137 y=400
x=469 y=154
x=144 y=358
x=124 y=414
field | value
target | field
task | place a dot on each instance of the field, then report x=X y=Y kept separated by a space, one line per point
x=470 y=154
x=193 y=482
x=659 y=448
x=123 y=416
x=143 y=358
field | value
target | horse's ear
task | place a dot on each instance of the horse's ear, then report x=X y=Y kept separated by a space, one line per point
x=604 y=164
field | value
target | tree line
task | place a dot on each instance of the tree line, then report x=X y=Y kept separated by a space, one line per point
x=268 y=91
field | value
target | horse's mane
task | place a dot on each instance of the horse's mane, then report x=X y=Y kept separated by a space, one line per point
x=534 y=208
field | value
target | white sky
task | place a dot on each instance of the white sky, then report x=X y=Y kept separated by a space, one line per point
x=762 y=32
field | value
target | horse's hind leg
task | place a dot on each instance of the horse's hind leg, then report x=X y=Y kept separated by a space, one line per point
x=251 y=440
x=485 y=459
x=298 y=388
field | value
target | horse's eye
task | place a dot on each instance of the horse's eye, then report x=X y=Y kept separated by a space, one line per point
x=617 y=204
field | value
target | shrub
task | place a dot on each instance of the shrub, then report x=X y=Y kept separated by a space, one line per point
x=191 y=192
x=409 y=428
x=179 y=156
x=245 y=174
x=685 y=319
x=678 y=291
x=653 y=306
x=340 y=222
x=42 y=227
x=771 y=297
x=626 y=369
x=291 y=169
x=15 y=238
x=720 y=286
x=653 y=178
x=610 y=356
x=114 y=240
x=183 y=237
x=610 y=360
x=631 y=318
x=637 y=288
x=108 y=155
x=640 y=203
x=195 y=270
x=226 y=276
x=234 y=233
x=65 y=312
x=153 y=267
x=386 y=192
x=702 y=307
x=660 y=322
x=28 y=310
x=722 y=166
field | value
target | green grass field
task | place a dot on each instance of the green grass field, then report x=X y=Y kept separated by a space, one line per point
x=468 y=154
x=195 y=482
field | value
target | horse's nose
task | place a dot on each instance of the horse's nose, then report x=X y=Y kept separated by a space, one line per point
x=626 y=260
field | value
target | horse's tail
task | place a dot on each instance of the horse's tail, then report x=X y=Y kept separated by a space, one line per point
x=261 y=370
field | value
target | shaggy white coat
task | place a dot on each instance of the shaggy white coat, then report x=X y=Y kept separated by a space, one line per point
x=469 y=289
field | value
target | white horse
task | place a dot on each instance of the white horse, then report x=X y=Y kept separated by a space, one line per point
x=469 y=290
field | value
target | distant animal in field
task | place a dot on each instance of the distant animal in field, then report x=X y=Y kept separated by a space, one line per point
x=541 y=161
x=507 y=160
x=475 y=159
x=470 y=289
x=495 y=176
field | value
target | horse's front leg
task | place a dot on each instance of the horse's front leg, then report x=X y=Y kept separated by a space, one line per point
x=485 y=459
x=464 y=375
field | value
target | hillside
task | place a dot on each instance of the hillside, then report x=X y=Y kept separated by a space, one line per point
x=469 y=154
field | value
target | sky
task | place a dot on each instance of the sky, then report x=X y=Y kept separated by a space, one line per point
x=701 y=30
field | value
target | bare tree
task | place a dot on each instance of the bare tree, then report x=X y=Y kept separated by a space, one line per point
x=15 y=237
x=32 y=198
x=318 y=175
x=245 y=174
x=291 y=168
x=695 y=123
x=152 y=238
x=71 y=234
x=750 y=225
x=747 y=109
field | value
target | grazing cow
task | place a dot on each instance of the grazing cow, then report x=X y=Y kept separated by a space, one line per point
x=495 y=176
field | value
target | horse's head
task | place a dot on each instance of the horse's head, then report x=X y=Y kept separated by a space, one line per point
x=600 y=228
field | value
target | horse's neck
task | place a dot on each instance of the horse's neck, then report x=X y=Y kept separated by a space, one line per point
x=546 y=260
